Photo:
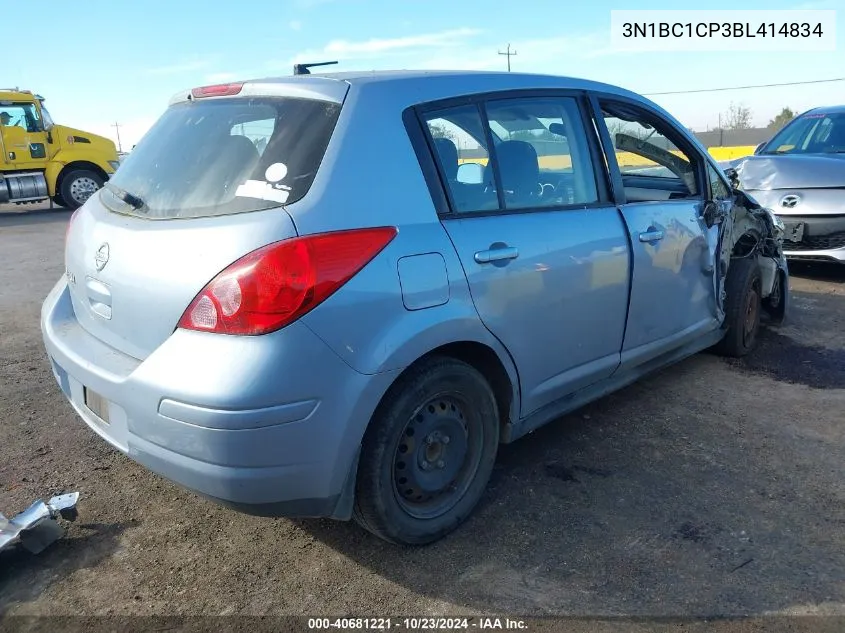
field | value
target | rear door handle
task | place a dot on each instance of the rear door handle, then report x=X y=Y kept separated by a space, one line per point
x=652 y=235
x=496 y=254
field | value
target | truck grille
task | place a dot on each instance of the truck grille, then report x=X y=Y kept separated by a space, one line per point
x=816 y=242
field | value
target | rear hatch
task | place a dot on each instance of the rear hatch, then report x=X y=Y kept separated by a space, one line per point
x=204 y=187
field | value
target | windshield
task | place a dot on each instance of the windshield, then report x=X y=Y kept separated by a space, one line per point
x=223 y=156
x=48 y=120
x=22 y=115
x=810 y=134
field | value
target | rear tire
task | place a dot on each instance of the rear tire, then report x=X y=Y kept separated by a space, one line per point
x=59 y=201
x=79 y=185
x=428 y=453
x=743 y=304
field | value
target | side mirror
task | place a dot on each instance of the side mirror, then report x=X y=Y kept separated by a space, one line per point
x=759 y=147
x=471 y=173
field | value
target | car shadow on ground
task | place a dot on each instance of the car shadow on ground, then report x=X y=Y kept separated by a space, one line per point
x=630 y=506
x=22 y=574
x=684 y=494
x=820 y=271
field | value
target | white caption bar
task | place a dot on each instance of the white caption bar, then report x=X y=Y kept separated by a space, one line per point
x=760 y=31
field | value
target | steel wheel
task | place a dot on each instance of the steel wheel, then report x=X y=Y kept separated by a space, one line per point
x=752 y=317
x=428 y=452
x=83 y=188
x=437 y=457
x=78 y=186
x=742 y=308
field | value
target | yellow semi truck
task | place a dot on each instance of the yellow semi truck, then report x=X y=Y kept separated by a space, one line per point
x=42 y=160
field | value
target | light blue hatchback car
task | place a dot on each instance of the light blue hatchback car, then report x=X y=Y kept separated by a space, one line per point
x=336 y=295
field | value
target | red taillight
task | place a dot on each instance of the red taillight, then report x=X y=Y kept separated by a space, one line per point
x=218 y=90
x=275 y=285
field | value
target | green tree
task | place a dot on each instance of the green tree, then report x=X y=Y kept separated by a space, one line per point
x=738 y=117
x=438 y=130
x=533 y=135
x=784 y=117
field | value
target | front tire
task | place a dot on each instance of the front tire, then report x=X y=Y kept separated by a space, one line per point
x=743 y=304
x=428 y=453
x=78 y=186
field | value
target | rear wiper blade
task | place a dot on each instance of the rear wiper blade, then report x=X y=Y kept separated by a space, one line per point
x=131 y=199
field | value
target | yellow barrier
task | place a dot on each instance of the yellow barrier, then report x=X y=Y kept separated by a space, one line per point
x=627 y=159
x=729 y=153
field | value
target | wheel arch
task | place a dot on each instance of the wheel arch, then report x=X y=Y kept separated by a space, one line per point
x=496 y=366
x=77 y=165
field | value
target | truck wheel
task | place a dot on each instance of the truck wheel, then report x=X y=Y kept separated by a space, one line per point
x=743 y=288
x=428 y=453
x=59 y=201
x=78 y=186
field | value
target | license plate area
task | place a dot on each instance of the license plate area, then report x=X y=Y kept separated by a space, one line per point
x=794 y=231
x=98 y=405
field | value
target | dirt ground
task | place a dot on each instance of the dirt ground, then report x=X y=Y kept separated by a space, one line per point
x=713 y=489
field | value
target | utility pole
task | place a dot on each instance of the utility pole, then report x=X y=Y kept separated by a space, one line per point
x=116 y=127
x=721 y=131
x=509 y=53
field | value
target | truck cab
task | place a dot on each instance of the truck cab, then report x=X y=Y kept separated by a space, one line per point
x=42 y=160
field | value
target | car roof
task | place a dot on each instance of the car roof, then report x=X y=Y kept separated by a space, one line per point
x=475 y=80
x=836 y=109
x=411 y=87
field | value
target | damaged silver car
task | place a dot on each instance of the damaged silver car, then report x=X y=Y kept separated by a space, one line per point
x=800 y=174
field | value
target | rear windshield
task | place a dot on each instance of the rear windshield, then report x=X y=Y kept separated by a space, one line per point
x=223 y=156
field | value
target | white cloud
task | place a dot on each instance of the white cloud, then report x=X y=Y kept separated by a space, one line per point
x=442 y=39
x=181 y=67
x=295 y=25
x=220 y=77
x=382 y=49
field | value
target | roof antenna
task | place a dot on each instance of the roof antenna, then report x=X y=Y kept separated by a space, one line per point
x=302 y=69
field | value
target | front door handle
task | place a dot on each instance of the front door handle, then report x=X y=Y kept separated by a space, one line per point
x=496 y=254
x=652 y=235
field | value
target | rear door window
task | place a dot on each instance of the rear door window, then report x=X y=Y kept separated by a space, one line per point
x=222 y=156
x=541 y=155
x=461 y=150
x=542 y=152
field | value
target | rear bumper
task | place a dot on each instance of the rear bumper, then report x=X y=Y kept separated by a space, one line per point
x=269 y=425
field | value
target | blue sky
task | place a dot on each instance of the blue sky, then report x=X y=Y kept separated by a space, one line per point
x=121 y=61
